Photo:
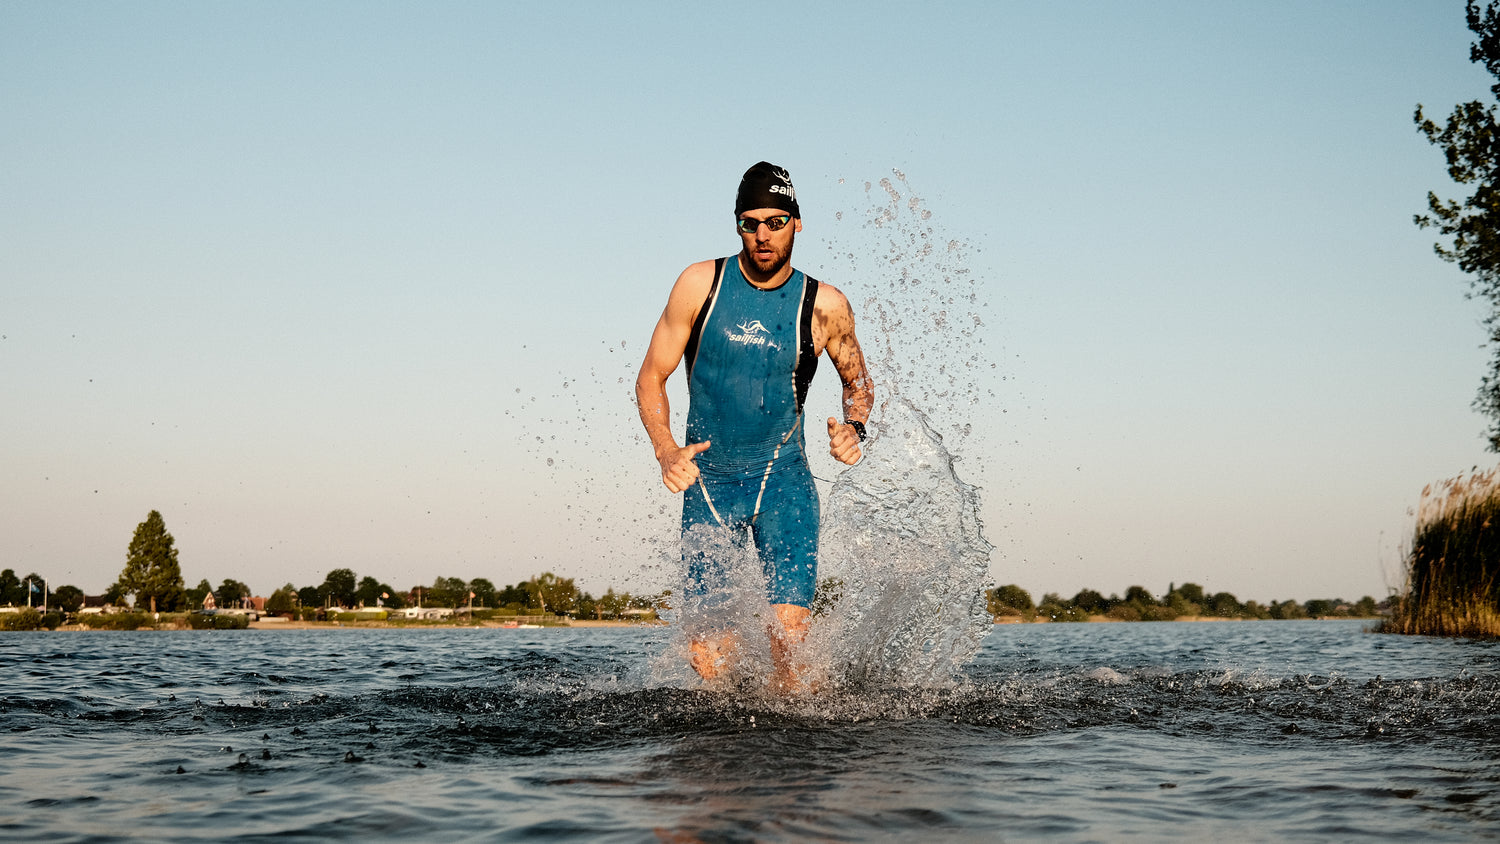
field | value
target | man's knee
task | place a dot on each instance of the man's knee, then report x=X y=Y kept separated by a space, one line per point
x=793 y=619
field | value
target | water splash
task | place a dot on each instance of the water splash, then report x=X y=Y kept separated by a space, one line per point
x=734 y=606
x=588 y=516
x=925 y=321
x=902 y=549
x=903 y=564
x=904 y=554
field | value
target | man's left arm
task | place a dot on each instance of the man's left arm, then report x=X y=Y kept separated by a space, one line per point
x=859 y=393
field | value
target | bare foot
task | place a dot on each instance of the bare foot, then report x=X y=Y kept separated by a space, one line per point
x=714 y=658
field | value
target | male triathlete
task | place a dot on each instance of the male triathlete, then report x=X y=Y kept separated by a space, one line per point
x=750 y=329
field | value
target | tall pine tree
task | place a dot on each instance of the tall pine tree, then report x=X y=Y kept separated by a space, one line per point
x=151 y=571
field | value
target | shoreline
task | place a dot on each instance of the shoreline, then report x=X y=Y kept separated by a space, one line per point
x=264 y=624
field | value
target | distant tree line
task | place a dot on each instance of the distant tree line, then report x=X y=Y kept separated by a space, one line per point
x=152 y=576
x=1186 y=601
x=544 y=593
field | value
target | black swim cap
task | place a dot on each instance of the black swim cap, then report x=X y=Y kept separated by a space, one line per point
x=766 y=186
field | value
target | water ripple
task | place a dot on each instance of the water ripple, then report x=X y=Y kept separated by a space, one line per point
x=1245 y=731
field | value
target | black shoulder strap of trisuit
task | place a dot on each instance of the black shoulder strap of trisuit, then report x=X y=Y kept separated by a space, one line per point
x=690 y=354
x=807 y=353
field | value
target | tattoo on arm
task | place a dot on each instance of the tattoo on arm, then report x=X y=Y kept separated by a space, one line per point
x=849 y=360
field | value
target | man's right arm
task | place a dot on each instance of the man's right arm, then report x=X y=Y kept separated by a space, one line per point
x=668 y=343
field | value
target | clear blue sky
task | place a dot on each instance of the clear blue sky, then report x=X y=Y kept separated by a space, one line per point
x=328 y=284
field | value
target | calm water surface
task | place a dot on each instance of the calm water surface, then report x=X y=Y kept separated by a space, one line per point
x=1247 y=731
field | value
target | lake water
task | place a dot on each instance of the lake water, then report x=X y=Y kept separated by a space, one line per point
x=1246 y=731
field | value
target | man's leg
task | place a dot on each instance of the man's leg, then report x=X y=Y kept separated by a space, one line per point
x=787 y=632
x=706 y=545
x=786 y=535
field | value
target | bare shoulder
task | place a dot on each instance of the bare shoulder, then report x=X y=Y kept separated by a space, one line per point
x=830 y=300
x=689 y=291
x=698 y=276
x=833 y=311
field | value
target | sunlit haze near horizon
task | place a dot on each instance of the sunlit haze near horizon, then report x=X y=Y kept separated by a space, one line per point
x=343 y=285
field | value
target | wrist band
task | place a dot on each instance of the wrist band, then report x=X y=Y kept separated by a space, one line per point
x=859 y=428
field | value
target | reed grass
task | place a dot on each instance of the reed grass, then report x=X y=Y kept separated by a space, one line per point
x=1453 y=570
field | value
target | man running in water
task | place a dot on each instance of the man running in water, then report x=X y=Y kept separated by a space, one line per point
x=750 y=329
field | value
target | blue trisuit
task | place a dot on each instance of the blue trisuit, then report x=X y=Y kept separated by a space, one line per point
x=750 y=359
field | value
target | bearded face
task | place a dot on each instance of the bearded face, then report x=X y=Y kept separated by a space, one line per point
x=768 y=252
